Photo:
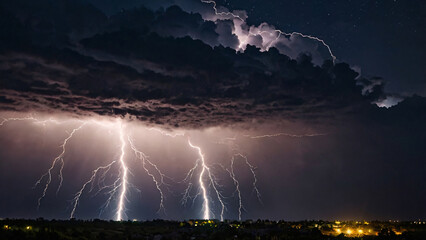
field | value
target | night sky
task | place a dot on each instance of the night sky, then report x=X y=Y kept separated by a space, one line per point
x=189 y=109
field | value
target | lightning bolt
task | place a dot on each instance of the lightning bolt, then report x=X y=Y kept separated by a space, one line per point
x=158 y=183
x=212 y=182
x=49 y=171
x=124 y=170
x=243 y=39
x=237 y=187
x=76 y=199
x=214 y=6
x=231 y=170
x=252 y=170
x=206 y=204
x=237 y=183
x=119 y=188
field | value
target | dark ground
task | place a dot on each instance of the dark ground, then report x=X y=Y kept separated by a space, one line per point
x=201 y=229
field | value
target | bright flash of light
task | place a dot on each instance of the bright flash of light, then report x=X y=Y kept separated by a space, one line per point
x=206 y=204
x=278 y=33
x=124 y=170
x=120 y=185
x=117 y=191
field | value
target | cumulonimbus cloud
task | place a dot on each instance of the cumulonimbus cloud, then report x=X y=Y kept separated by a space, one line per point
x=139 y=63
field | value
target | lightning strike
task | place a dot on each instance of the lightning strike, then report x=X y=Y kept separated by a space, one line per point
x=237 y=154
x=206 y=204
x=206 y=170
x=243 y=39
x=76 y=199
x=206 y=180
x=252 y=170
x=237 y=187
x=49 y=171
x=158 y=183
x=124 y=170
x=214 y=6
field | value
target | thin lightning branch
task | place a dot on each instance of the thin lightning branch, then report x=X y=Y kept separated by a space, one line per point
x=221 y=13
x=278 y=32
x=286 y=135
x=36 y=121
x=76 y=199
x=237 y=187
x=61 y=178
x=5 y=120
x=235 y=148
x=252 y=170
x=115 y=187
x=282 y=33
x=158 y=183
x=58 y=158
x=188 y=177
x=168 y=134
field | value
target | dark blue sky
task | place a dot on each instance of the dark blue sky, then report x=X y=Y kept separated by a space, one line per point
x=385 y=38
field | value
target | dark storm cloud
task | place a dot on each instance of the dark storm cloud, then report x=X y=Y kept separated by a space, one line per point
x=130 y=65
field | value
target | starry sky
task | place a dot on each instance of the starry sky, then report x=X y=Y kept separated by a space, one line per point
x=384 y=38
x=300 y=109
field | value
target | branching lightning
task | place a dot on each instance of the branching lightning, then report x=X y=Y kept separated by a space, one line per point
x=120 y=186
x=243 y=39
x=49 y=171
x=76 y=199
x=214 y=5
x=211 y=180
x=118 y=189
x=237 y=187
x=158 y=182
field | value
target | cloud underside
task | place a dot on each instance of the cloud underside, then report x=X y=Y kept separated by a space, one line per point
x=126 y=67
